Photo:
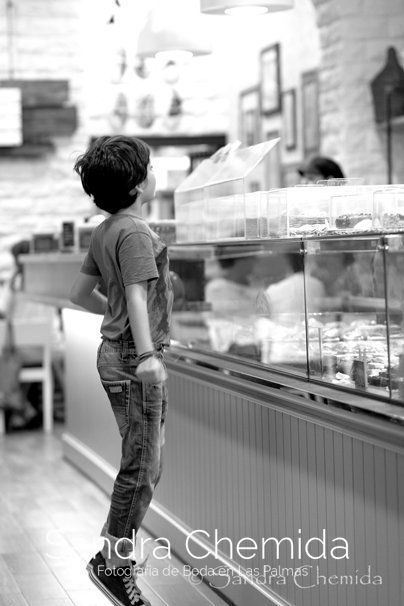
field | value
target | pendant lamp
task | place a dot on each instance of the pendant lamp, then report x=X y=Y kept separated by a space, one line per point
x=244 y=7
x=163 y=34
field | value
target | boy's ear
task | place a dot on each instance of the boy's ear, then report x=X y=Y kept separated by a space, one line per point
x=135 y=190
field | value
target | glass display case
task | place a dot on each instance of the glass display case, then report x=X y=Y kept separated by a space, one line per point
x=222 y=197
x=389 y=207
x=325 y=310
x=325 y=208
x=305 y=281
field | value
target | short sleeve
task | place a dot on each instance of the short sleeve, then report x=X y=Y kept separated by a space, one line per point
x=89 y=265
x=136 y=259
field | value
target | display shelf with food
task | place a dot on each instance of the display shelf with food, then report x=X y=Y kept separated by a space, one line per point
x=323 y=310
x=389 y=207
x=225 y=199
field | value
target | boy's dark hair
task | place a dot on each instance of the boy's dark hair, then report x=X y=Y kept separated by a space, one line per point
x=110 y=168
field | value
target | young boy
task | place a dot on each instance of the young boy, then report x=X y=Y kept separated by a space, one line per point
x=131 y=263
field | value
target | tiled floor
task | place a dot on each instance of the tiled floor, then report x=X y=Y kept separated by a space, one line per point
x=50 y=518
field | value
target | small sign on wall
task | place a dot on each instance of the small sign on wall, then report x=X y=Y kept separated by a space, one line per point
x=10 y=117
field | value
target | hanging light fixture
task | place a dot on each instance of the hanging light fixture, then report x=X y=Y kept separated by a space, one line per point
x=244 y=7
x=165 y=36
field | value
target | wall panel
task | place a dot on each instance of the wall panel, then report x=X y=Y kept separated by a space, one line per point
x=258 y=471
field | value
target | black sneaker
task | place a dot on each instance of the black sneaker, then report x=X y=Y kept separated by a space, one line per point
x=118 y=584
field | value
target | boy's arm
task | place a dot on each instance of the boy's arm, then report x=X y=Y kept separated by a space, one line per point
x=151 y=370
x=83 y=293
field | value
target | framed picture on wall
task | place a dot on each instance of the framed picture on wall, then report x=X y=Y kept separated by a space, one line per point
x=270 y=72
x=249 y=104
x=310 y=113
x=289 y=119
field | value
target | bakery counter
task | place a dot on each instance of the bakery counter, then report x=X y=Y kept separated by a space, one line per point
x=265 y=471
x=50 y=274
x=251 y=455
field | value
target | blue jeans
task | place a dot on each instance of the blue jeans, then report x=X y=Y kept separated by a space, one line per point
x=140 y=412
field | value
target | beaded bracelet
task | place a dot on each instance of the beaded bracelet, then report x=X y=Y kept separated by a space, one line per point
x=147 y=354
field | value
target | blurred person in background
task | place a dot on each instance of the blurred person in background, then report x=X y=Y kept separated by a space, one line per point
x=319 y=168
x=230 y=290
x=232 y=299
x=285 y=299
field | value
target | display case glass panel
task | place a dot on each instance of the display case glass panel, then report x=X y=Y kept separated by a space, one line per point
x=240 y=308
x=394 y=251
x=352 y=209
x=276 y=212
x=281 y=321
x=221 y=199
x=389 y=208
x=347 y=326
x=328 y=310
x=308 y=209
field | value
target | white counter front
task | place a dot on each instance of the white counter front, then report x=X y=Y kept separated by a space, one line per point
x=254 y=461
x=250 y=462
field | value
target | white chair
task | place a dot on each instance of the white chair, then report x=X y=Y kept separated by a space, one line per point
x=36 y=334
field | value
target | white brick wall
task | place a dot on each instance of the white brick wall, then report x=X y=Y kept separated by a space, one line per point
x=352 y=56
x=37 y=194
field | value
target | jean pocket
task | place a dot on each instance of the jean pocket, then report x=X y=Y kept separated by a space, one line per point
x=118 y=393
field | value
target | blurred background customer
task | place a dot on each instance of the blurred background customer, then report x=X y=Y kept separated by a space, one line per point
x=319 y=168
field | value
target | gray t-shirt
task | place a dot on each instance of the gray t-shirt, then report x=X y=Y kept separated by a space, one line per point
x=124 y=250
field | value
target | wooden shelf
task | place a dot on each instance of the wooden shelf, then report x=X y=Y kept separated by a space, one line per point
x=27 y=150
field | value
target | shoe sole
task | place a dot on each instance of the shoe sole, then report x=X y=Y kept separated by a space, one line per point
x=105 y=590
x=102 y=587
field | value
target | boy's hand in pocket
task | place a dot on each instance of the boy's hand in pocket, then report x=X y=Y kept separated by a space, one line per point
x=151 y=371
